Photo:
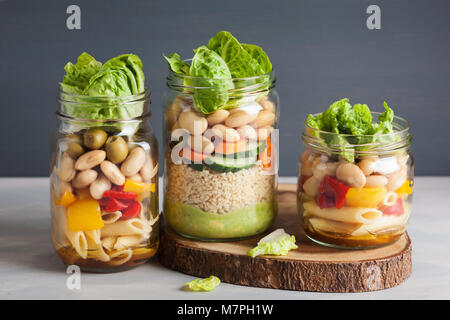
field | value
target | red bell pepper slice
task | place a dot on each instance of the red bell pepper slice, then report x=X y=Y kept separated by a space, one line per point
x=331 y=193
x=395 y=210
x=122 y=195
x=133 y=210
x=113 y=205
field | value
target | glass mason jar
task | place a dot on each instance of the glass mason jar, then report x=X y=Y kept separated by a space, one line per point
x=220 y=175
x=361 y=204
x=104 y=182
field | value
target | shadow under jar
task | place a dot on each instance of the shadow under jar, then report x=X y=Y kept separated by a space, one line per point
x=220 y=174
x=361 y=204
x=104 y=182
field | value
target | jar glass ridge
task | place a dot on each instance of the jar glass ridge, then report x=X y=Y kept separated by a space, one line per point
x=104 y=182
x=220 y=173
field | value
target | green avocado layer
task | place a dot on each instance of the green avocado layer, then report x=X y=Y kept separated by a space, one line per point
x=194 y=222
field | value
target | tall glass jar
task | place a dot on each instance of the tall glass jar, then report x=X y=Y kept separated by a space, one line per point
x=358 y=204
x=220 y=175
x=104 y=182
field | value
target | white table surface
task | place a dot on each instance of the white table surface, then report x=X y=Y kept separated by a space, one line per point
x=30 y=269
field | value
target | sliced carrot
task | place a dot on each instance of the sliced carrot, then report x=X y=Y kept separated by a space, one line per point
x=192 y=156
x=265 y=156
x=224 y=147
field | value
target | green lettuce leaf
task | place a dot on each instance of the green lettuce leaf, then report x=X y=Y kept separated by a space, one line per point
x=240 y=63
x=177 y=65
x=77 y=75
x=276 y=243
x=260 y=56
x=207 y=284
x=212 y=80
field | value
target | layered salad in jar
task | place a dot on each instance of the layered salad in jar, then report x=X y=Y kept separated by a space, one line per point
x=355 y=176
x=104 y=167
x=220 y=174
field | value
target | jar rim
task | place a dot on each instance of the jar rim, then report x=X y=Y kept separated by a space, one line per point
x=252 y=82
x=398 y=139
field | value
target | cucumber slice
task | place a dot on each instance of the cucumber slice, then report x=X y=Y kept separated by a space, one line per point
x=227 y=164
x=253 y=152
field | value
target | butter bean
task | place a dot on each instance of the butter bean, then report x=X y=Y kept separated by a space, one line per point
x=247 y=132
x=239 y=118
x=90 y=159
x=99 y=186
x=397 y=178
x=201 y=144
x=192 y=122
x=226 y=133
x=367 y=165
x=267 y=104
x=264 y=118
x=64 y=186
x=311 y=186
x=147 y=169
x=84 y=178
x=136 y=177
x=320 y=167
x=173 y=112
x=351 y=175
x=217 y=117
x=66 y=171
x=112 y=172
x=375 y=181
x=264 y=132
x=134 y=162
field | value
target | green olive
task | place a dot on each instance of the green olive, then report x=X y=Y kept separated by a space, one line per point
x=95 y=138
x=74 y=149
x=116 y=149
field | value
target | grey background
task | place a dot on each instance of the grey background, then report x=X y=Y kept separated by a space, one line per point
x=322 y=51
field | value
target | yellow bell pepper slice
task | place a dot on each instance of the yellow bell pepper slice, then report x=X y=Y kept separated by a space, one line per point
x=84 y=215
x=138 y=187
x=365 y=197
x=66 y=199
x=406 y=188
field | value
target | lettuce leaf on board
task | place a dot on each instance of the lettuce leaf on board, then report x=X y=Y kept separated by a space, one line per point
x=276 y=243
x=207 y=284
x=77 y=75
x=212 y=80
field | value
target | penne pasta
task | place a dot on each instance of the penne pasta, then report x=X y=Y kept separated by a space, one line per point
x=390 y=199
x=129 y=241
x=76 y=238
x=128 y=227
x=108 y=243
x=95 y=246
x=120 y=257
x=345 y=214
x=111 y=217
x=333 y=226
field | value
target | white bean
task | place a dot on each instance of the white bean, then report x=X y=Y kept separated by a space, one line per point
x=84 y=178
x=397 y=179
x=134 y=162
x=311 y=186
x=112 y=172
x=375 y=181
x=99 y=186
x=66 y=170
x=351 y=175
x=90 y=159
x=367 y=165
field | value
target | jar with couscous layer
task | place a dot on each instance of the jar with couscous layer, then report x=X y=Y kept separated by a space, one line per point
x=355 y=191
x=221 y=165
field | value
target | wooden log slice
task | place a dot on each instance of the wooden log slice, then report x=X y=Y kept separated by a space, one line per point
x=311 y=267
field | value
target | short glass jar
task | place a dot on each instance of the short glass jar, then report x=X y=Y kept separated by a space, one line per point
x=220 y=175
x=104 y=182
x=357 y=204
